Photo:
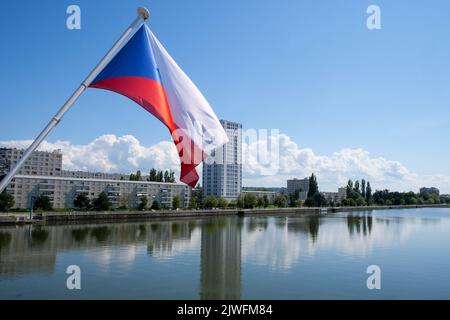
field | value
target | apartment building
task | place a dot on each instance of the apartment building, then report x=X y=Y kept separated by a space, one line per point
x=43 y=175
x=300 y=185
x=222 y=171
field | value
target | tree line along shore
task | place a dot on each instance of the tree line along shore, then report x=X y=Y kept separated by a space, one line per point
x=359 y=194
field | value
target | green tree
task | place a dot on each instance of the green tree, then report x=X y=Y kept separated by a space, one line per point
x=156 y=205
x=143 y=202
x=43 y=203
x=297 y=193
x=240 y=202
x=363 y=188
x=160 y=176
x=385 y=197
x=250 y=201
x=294 y=199
x=360 y=201
x=136 y=176
x=124 y=201
x=313 y=186
x=280 y=201
x=368 y=193
x=101 y=203
x=349 y=202
x=260 y=203
x=266 y=201
x=172 y=177
x=6 y=201
x=82 y=202
x=193 y=204
x=356 y=187
x=176 y=202
x=197 y=196
x=317 y=200
x=153 y=174
x=222 y=203
x=349 y=187
x=166 y=176
x=210 y=202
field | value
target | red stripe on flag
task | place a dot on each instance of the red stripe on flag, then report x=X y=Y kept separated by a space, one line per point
x=148 y=93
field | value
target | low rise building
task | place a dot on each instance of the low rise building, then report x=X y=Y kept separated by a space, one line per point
x=336 y=197
x=45 y=177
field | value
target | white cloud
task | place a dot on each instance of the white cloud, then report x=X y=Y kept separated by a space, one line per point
x=333 y=170
x=109 y=153
x=126 y=154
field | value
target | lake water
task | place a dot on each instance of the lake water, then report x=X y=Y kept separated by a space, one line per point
x=295 y=257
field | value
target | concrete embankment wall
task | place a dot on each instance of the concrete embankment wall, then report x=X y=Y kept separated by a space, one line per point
x=148 y=215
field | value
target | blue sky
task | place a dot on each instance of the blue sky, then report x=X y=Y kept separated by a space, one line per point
x=310 y=68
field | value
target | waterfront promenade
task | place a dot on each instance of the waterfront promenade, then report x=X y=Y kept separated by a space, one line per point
x=74 y=216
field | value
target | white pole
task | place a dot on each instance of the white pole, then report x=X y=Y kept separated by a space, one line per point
x=143 y=14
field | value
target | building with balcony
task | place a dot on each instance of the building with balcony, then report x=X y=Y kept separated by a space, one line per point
x=40 y=163
x=62 y=187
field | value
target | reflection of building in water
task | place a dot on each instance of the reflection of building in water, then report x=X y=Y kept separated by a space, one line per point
x=32 y=249
x=162 y=235
x=23 y=253
x=221 y=259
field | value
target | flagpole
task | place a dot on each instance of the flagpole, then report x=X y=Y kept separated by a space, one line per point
x=143 y=14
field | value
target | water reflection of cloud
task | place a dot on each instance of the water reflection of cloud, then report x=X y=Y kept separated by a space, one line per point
x=280 y=248
x=179 y=246
x=275 y=247
x=113 y=257
x=336 y=236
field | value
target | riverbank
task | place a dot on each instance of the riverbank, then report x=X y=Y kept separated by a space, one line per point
x=22 y=218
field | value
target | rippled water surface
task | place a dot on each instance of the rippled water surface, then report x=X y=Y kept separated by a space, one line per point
x=295 y=257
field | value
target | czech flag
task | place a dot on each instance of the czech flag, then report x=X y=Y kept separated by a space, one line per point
x=145 y=72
